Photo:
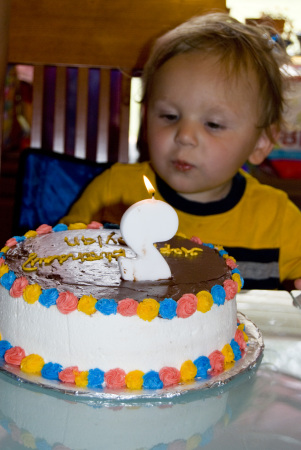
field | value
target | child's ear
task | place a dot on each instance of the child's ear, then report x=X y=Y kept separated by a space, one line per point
x=264 y=145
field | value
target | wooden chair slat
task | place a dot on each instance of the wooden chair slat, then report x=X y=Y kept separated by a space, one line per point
x=37 y=107
x=60 y=110
x=123 y=152
x=103 y=116
x=81 y=113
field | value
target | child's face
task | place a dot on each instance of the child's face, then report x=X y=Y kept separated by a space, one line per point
x=201 y=126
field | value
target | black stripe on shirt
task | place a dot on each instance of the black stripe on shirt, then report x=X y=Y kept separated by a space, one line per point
x=203 y=209
x=263 y=255
x=258 y=267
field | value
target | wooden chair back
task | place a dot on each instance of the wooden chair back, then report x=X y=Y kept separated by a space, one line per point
x=108 y=40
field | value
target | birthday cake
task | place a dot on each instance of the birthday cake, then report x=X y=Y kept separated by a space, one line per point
x=66 y=314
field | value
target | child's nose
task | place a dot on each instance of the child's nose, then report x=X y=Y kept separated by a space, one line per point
x=186 y=133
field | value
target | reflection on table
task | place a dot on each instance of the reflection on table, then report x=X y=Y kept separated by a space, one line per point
x=258 y=409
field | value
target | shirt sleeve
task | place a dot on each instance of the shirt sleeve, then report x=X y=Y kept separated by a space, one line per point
x=290 y=250
x=108 y=196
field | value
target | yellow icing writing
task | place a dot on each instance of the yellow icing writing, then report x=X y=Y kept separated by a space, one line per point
x=33 y=261
x=167 y=250
x=114 y=240
x=76 y=241
x=86 y=241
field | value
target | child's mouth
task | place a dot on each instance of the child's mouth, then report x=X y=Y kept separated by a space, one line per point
x=182 y=166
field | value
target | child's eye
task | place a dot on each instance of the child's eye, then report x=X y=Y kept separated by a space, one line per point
x=214 y=125
x=169 y=117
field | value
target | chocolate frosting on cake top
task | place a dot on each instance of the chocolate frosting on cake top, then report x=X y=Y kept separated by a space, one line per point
x=69 y=261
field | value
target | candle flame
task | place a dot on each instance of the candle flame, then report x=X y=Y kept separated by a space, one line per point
x=150 y=188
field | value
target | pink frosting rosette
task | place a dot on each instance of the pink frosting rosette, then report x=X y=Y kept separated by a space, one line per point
x=68 y=375
x=239 y=338
x=196 y=239
x=115 y=378
x=2 y=261
x=216 y=359
x=94 y=225
x=169 y=376
x=14 y=355
x=66 y=302
x=18 y=287
x=179 y=444
x=187 y=305
x=60 y=447
x=231 y=262
x=44 y=229
x=230 y=287
x=15 y=433
x=11 y=242
x=127 y=307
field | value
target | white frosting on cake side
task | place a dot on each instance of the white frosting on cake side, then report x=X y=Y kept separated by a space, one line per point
x=112 y=341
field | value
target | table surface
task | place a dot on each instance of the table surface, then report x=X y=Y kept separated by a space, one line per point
x=258 y=409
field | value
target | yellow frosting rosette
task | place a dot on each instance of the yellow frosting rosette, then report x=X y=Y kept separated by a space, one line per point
x=30 y=234
x=229 y=355
x=32 y=293
x=242 y=328
x=3 y=269
x=81 y=378
x=236 y=277
x=77 y=226
x=134 y=379
x=28 y=440
x=5 y=249
x=205 y=301
x=188 y=371
x=182 y=235
x=148 y=309
x=86 y=304
x=32 y=364
x=193 y=442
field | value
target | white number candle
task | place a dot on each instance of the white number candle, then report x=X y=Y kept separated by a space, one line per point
x=143 y=224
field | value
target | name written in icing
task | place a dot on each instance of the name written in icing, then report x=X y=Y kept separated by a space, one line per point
x=168 y=251
x=90 y=241
x=34 y=261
